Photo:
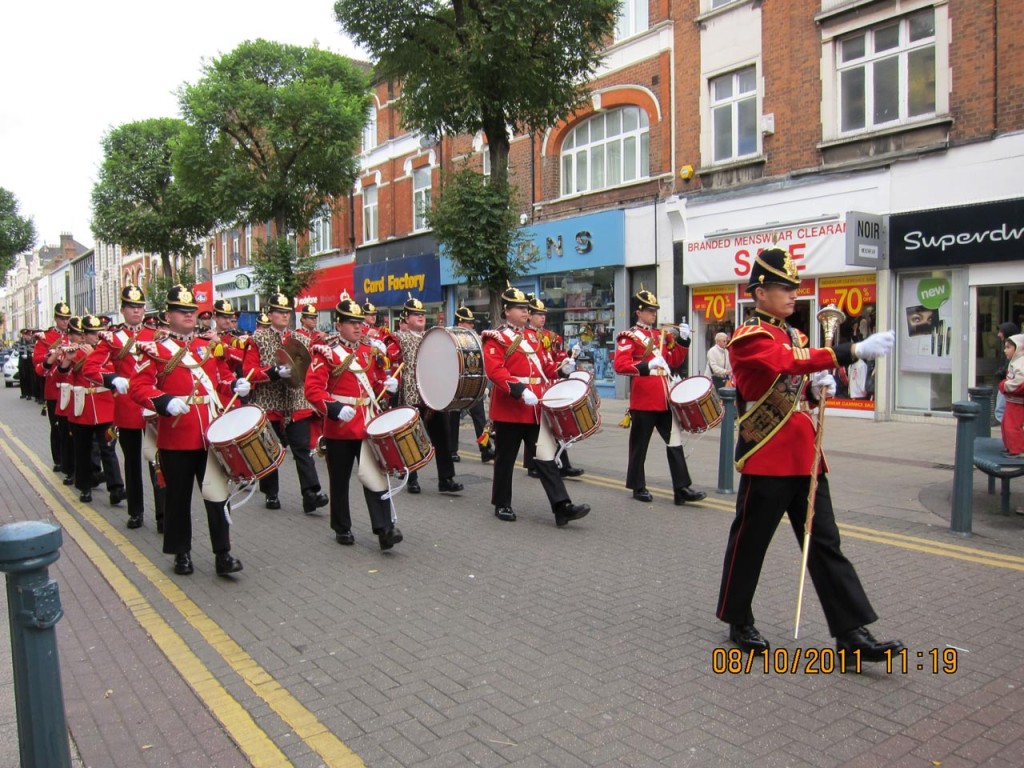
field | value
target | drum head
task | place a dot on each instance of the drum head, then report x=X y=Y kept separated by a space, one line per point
x=565 y=392
x=234 y=423
x=438 y=368
x=392 y=420
x=586 y=376
x=690 y=390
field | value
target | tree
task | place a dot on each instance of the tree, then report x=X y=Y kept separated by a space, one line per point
x=17 y=234
x=483 y=65
x=273 y=135
x=137 y=202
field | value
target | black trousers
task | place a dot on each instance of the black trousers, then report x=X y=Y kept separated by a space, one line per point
x=642 y=426
x=56 y=437
x=509 y=436
x=182 y=470
x=476 y=413
x=760 y=503
x=296 y=437
x=131 y=449
x=87 y=438
x=26 y=375
x=341 y=455
x=438 y=430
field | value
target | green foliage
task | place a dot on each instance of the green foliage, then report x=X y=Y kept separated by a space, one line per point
x=156 y=287
x=137 y=202
x=273 y=132
x=482 y=254
x=280 y=266
x=17 y=234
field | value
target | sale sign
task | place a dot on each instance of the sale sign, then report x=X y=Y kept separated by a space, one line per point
x=714 y=301
x=850 y=293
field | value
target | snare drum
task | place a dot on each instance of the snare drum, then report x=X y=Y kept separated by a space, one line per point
x=450 y=369
x=695 y=404
x=399 y=441
x=569 y=410
x=588 y=377
x=245 y=444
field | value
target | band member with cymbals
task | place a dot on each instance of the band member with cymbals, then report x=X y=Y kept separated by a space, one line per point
x=646 y=354
x=44 y=357
x=344 y=385
x=775 y=450
x=113 y=365
x=91 y=419
x=553 y=344
x=188 y=386
x=464 y=318
x=519 y=373
x=436 y=423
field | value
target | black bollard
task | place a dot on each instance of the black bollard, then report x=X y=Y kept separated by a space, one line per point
x=966 y=414
x=27 y=549
x=983 y=397
x=727 y=441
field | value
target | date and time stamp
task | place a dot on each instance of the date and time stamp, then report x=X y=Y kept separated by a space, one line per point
x=829 y=661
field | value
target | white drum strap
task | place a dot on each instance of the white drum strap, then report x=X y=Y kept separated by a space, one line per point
x=364 y=381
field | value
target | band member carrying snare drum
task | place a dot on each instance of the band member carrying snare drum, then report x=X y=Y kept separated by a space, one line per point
x=343 y=384
x=184 y=383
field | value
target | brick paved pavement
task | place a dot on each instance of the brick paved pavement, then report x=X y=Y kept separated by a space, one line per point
x=476 y=642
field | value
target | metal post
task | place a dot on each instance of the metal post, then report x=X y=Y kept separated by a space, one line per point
x=983 y=397
x=966 y=414
x=727 y=441
x=27 y=549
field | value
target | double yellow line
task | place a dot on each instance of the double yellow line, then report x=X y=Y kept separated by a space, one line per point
x=254 y=742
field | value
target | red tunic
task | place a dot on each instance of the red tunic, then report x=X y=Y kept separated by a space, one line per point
x=527 y=365
x=361 y=382
x=51 y=336
x=99 y=401
x=761 y=350
x=152 y=381
x=119 y=356
x=634 y=349
x=552 y=344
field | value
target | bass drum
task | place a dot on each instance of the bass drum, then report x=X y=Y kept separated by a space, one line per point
x=695 y=404
x=399 y=441
x=245 y=444
x=450 y=369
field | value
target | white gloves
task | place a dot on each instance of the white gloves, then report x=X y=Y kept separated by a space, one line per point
x=576 y=350
x=569 y=365
x=876 y=345
x=120 y=384
x=347 y=413
x=284 y=371
x=242 y=387
x=657 y=363
x=823 y=383
x=529 y=398
x=379 y=345
x=684 y=331
x=177 y=407
x=391 y=384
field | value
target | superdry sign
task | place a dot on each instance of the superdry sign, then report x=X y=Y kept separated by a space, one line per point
x=970 y=234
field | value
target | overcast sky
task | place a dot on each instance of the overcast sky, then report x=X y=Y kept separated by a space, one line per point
x=72 y=69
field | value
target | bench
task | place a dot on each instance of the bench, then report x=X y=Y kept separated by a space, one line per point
x=988 y=457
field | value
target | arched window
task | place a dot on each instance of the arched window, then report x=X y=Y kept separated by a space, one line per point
x=607 y=150
x=370 y=130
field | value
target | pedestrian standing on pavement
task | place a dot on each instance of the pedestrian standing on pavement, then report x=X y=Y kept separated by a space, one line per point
x=1012 y=387
x=188 y=387
x=719 y=367
x=343 y=384
x=645 y=354
x=519 y=374
x=1004 y=332
x=775 y=452
x=464 y=318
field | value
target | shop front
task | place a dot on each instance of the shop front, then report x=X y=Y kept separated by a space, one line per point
x=389 y=282
x=958 y=276
x=329 y=283
x=577 y=270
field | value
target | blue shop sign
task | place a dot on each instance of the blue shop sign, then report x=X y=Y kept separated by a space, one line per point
x=389 y=283
x=580 y=242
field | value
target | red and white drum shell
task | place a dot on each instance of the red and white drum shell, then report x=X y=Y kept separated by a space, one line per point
x=695 y=404
x=245 y=444
x=398 y=440
x=569 y=410
x=450 y=369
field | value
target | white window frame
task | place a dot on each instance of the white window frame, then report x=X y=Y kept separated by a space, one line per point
x=631 y=19
x=320 y=232
x=421 y=187
x=370 y=131
x=839 y=28
x=572 y=161
x=732 y=104
x=371 y=233
x=248 y=243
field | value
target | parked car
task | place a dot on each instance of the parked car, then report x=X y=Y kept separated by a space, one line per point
x=11 y=370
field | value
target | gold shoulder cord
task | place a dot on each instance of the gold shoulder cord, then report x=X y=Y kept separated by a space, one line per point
x=513 y=347
x=175 y=360
x=340 y=368
x=126 y=349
